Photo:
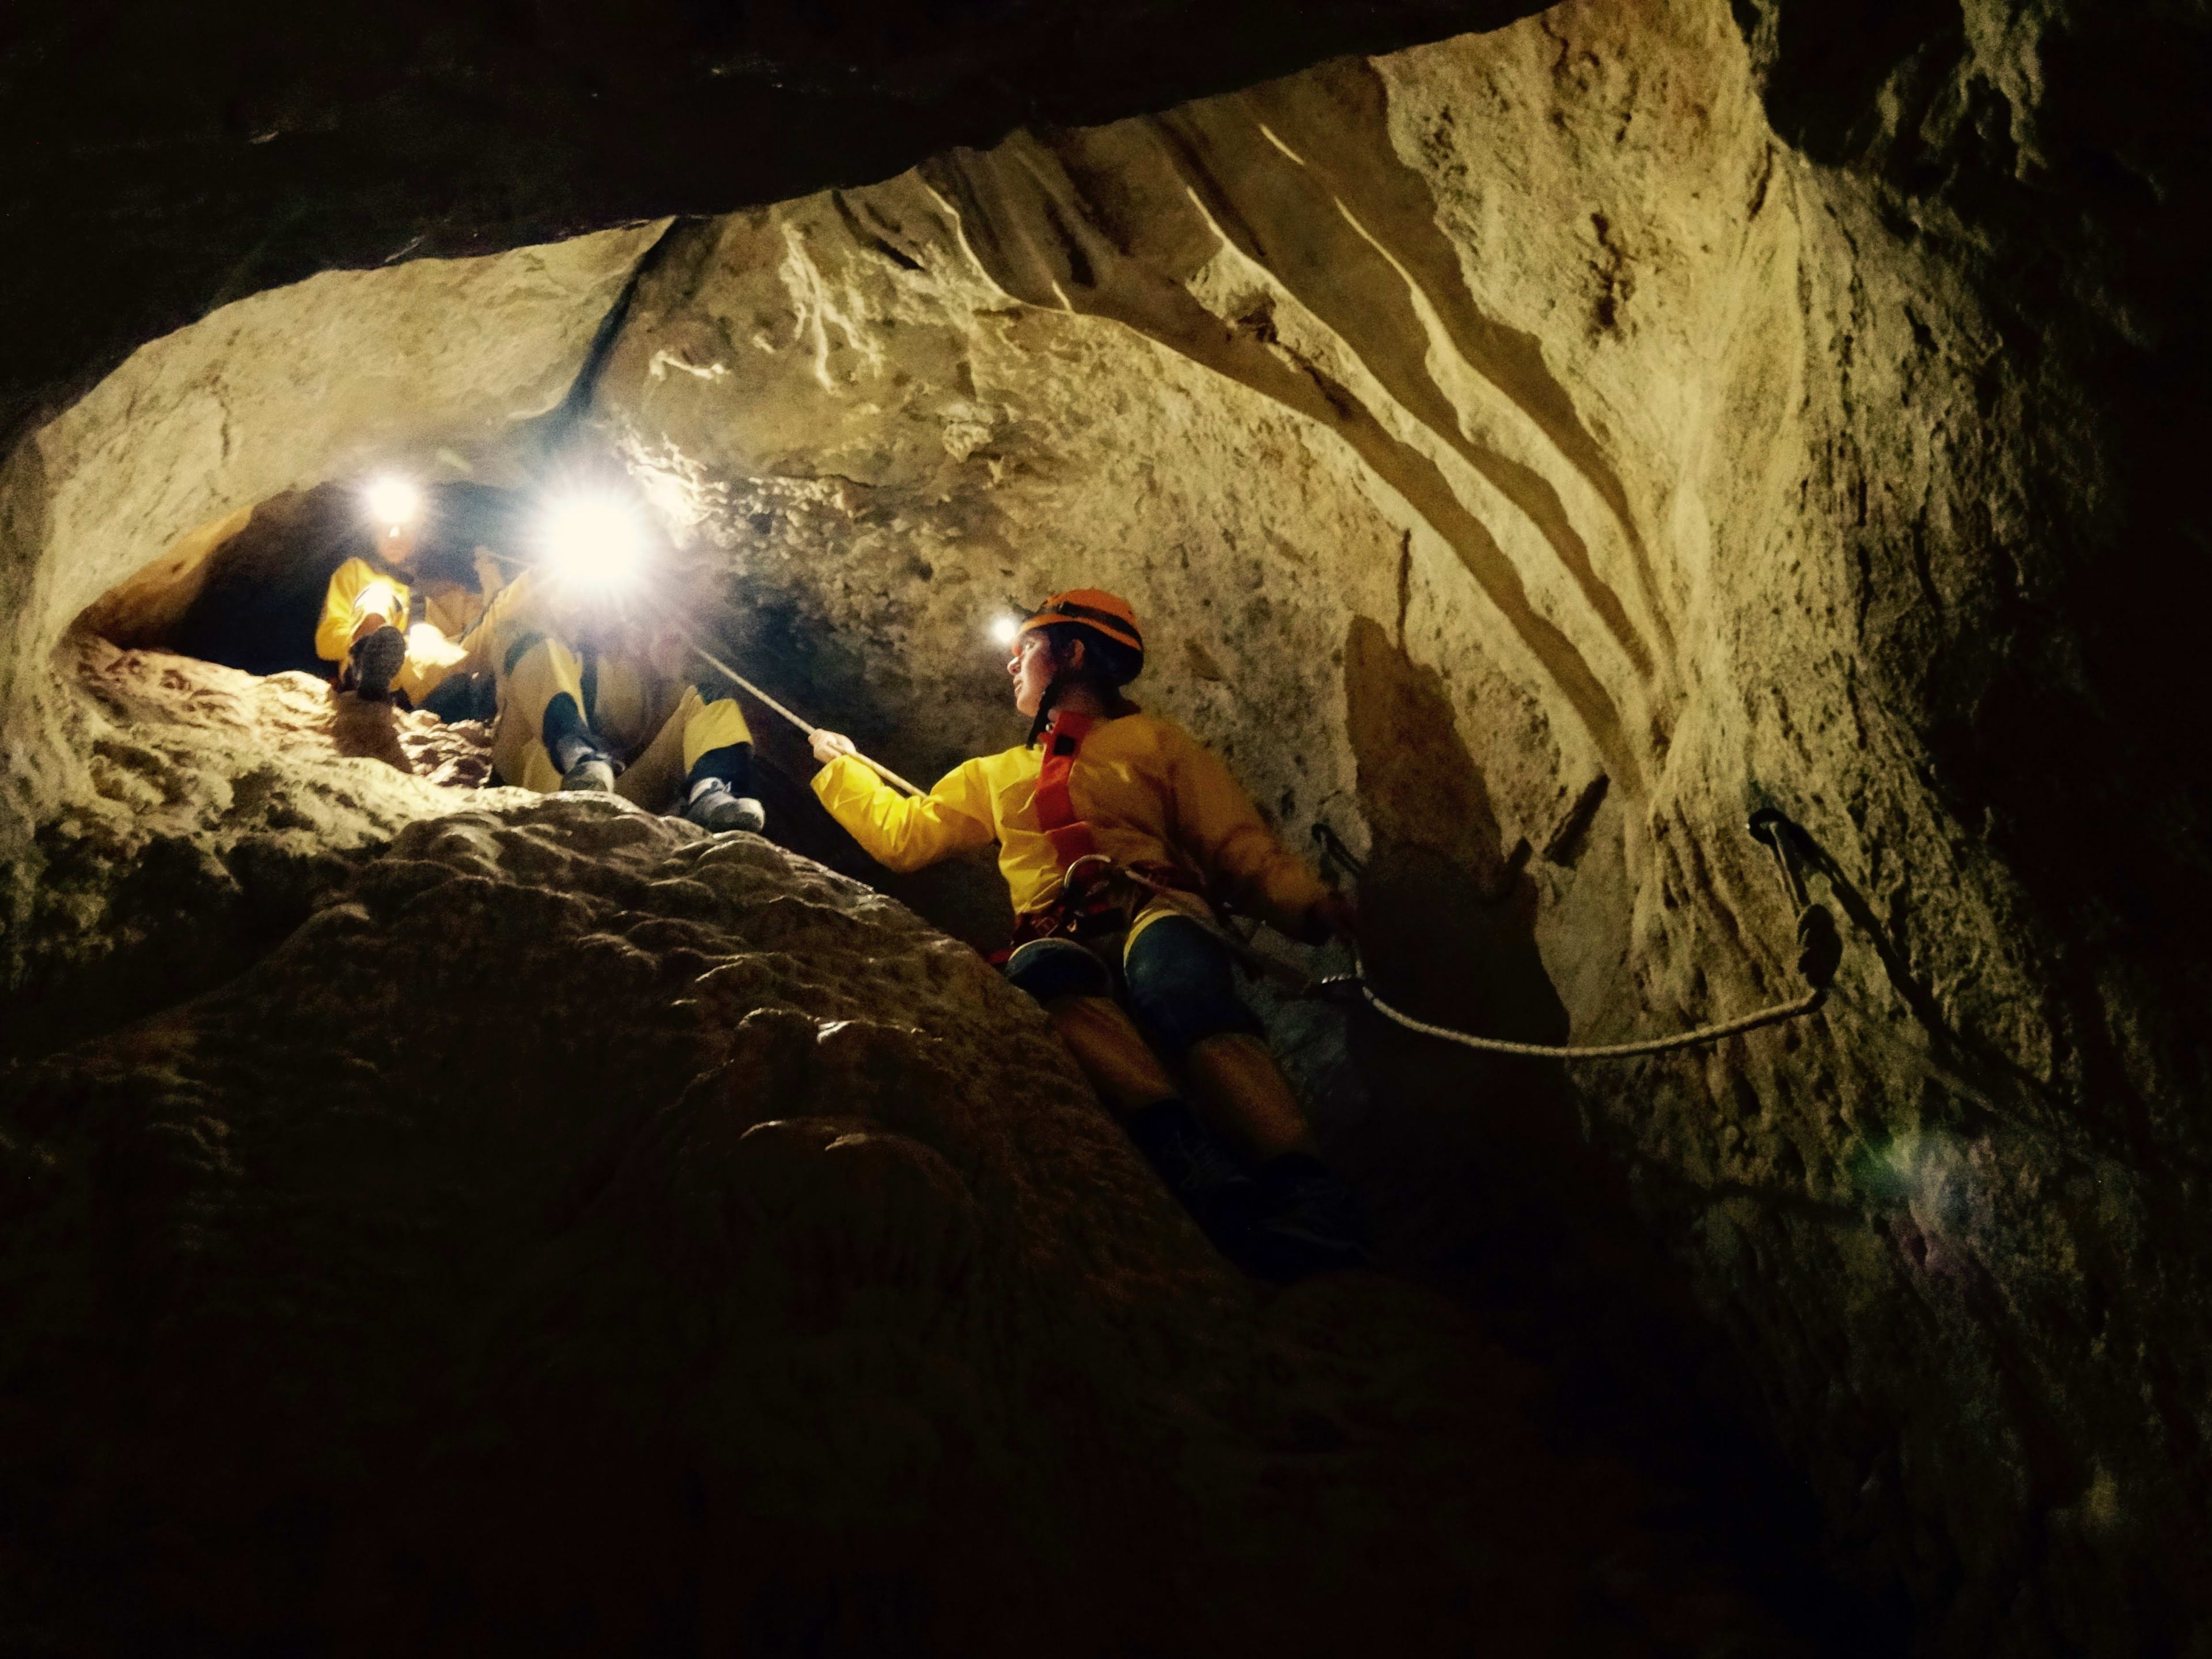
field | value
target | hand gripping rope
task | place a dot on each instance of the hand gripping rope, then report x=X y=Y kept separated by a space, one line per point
x=804 y=725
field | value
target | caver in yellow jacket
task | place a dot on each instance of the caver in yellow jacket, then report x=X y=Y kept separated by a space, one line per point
x=449 y=609
x=640 y=703
x=1151 y=792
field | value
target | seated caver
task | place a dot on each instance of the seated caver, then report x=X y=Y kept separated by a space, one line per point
x=393 y=622
x=577 y=711
x=1112 y=825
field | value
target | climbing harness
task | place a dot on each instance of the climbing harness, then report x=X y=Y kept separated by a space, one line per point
x=1093 y=899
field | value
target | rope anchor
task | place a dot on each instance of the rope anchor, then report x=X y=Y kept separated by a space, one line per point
x=1819 y=952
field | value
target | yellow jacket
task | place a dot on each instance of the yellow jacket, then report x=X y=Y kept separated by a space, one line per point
x=358 y=587
x=1150 y=791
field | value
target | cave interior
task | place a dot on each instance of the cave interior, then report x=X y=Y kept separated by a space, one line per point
x=443 y=1218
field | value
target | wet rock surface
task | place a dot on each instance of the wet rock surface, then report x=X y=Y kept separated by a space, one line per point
x=582 y=1234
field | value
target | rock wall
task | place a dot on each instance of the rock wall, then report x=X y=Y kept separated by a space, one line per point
x=1570 y=436
x=584 y=1234
x=1515 y=440
x=165 y=165
x=221 y=806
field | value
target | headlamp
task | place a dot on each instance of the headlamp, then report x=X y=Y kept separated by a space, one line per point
x=392 y=501
x=593 y=541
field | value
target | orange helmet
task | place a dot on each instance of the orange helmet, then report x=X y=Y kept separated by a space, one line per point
x=1105 y=613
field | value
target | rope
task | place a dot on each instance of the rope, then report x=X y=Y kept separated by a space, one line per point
x=1305 y=985
x=800 y=721
x=1703 y=1034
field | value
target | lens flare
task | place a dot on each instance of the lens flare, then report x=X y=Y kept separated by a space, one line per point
x=1005 y=630
x=594 y=541
x=393 y=501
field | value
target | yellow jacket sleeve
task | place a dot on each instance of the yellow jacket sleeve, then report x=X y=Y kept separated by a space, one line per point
x=351 y=584
x=904 y=832
x=1216 y=819
x=503 y=613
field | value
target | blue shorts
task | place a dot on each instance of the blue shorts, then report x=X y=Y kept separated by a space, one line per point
x=1179 y=978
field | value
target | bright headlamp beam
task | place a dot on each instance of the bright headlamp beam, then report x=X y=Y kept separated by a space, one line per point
x=392 y=501
x=593 y=541
x=1007 y=630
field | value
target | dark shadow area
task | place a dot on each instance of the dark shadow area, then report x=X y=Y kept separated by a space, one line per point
x=1486 y=1187
x=191 y=919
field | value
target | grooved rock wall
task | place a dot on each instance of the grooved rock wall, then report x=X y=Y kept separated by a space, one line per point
x=1514 y=440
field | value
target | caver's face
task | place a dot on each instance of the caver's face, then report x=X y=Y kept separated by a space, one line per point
x=396 y=546
x=1031 y=665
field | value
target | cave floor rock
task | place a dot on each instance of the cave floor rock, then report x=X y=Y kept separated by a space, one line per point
x=582 y=1234
x=211 y=809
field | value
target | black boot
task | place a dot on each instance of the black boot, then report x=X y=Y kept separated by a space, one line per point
x=376 y=659
x=1309 y=1222
x=714 y=806
x=1206 y=1176
x=575 y=752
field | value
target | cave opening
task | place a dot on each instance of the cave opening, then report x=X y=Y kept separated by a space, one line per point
x=1511 y=1219
x=246 y=591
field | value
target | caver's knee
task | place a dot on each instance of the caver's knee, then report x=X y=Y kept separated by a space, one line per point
x=1182 y=984
x=1050 y=969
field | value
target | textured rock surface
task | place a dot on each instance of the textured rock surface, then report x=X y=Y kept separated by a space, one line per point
x=1567 y=434
x=168 y=162
x=1507 y=416
x=585 y=1235
x=221 y=805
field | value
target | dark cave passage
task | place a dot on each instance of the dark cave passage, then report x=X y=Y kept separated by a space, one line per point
x=247 y=591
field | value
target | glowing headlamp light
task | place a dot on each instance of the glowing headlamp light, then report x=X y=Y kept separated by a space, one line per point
x=1005 y=630
x=594 y=541
x=392 y=502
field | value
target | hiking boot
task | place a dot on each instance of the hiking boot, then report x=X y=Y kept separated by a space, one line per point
x=594 y=773
x=1205 y=1176
x=376 y=659
x=1307 y=1221
x=715 y=807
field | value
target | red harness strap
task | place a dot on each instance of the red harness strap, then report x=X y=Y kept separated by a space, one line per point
x=1070 y=836
x=1085 y=907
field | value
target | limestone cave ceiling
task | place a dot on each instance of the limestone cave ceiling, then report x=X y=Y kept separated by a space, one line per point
x=1565 y=431
x=166 y=159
